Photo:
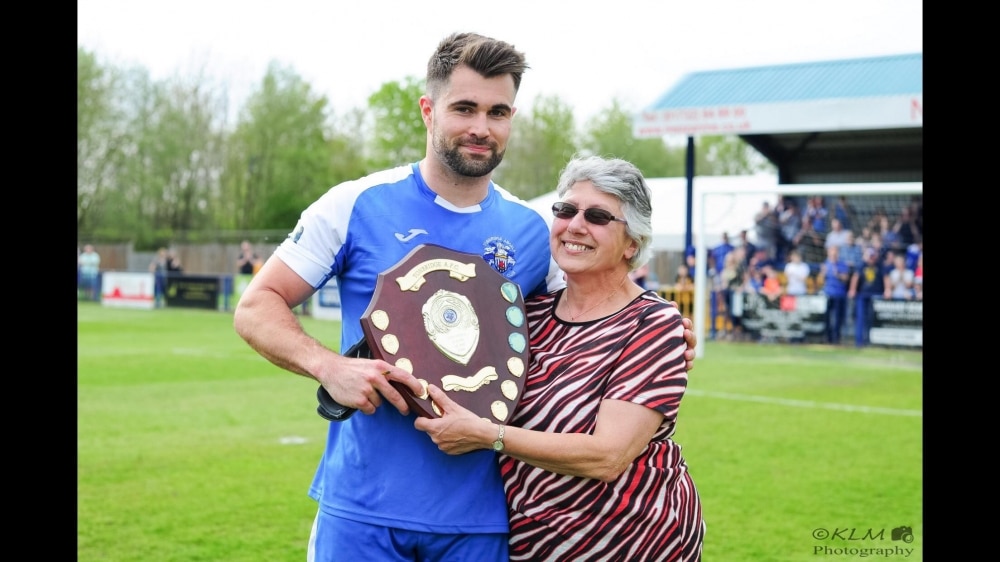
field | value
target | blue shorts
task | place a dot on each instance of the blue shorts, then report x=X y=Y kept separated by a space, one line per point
x=337 y=539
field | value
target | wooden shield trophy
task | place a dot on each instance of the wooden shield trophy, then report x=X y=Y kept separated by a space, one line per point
x=452 y=320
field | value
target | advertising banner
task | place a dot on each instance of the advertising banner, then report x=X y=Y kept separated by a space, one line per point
x=786 y=317
x=129 y=290
x=195 y=291
x=326 y=302
x=897 y=322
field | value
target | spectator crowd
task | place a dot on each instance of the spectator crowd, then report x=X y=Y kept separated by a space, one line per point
x=803 y=246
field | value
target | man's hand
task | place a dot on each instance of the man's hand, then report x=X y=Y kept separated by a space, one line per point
x=689 y=338
x=362 y=384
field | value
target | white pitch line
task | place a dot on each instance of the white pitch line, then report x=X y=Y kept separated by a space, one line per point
x=806 y=403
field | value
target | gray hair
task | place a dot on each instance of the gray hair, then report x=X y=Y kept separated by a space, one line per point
x=487 y=56
x=623 y=180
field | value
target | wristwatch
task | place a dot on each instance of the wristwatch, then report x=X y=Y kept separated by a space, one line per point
x=498 y=444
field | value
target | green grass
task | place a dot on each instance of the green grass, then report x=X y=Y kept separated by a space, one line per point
x=191 y=447
x=784 y=440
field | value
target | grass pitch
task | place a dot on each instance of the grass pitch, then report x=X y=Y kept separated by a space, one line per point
x=191 y=447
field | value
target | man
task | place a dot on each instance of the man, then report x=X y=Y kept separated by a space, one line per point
x=721 y=296
x=867 y=283
x=749 y=248
x=89 y=267
x=836 y=276
x=384 y=490
x=722 y=250
x=248 y=261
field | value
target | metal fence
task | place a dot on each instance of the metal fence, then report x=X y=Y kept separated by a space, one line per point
x=198 y=259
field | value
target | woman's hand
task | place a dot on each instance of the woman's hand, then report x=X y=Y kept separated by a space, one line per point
x=458 y=430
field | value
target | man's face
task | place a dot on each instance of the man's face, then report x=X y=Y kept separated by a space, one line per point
x=470 y=122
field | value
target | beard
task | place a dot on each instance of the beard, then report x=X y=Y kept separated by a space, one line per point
x=462 y=165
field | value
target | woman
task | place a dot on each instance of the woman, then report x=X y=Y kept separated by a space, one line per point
x=588 y=463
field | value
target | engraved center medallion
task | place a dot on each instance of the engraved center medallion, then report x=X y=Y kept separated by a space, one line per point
x=452 y=324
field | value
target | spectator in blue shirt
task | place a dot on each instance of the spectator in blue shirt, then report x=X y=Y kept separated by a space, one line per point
x=845 y=213
x=722 y=250
x=790 y=223
x=836 y=275
x=816 y=213
x=852 y=251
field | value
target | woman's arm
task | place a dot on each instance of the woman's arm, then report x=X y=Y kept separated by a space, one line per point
x=622 y=432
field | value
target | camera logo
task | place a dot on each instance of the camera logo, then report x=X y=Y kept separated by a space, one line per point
x=903 y=533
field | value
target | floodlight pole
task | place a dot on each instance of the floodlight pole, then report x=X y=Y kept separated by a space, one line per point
x=689 y=166
x=700 y=259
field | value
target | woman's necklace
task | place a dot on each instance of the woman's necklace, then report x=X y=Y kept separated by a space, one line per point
x=573 y=317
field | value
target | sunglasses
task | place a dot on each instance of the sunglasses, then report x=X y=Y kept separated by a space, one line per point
x=600 y=217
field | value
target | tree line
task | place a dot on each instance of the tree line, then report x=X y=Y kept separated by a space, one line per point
x=160 y=161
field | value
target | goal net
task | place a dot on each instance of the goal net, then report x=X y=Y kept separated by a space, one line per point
x=713 y=205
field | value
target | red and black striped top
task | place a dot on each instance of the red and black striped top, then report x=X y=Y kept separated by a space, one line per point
x=651 y=512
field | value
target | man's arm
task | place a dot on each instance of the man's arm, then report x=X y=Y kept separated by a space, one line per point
x=853 y=287
x=264 y=318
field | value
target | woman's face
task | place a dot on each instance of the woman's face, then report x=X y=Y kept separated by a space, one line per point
x=579 y=246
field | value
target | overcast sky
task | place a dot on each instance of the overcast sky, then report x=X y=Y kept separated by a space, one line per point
x=587 y=53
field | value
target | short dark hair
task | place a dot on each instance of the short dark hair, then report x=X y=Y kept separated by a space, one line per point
x=487 y=56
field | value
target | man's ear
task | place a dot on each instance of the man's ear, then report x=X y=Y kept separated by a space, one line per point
x=426 y=108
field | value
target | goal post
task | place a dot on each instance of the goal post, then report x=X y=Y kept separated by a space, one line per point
x=703 y=205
